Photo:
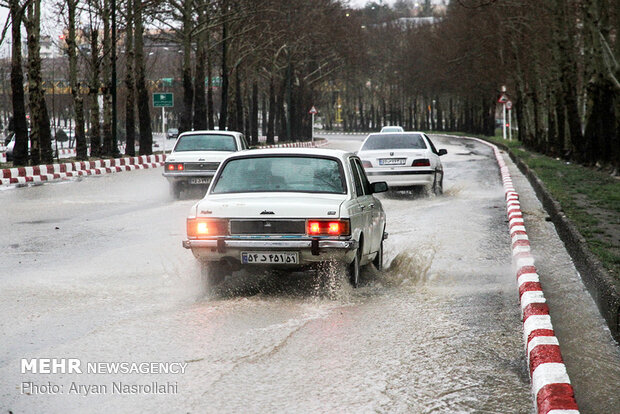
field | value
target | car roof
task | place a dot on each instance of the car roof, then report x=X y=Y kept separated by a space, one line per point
x=211 y=131
x=324 y=152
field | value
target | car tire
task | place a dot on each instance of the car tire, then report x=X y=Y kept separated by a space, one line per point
x=438 y=185
x=378 y=260
x=212 y=273
x=354 y=269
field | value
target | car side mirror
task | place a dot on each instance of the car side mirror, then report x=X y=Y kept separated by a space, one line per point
x=379 y=187
x=442 y=152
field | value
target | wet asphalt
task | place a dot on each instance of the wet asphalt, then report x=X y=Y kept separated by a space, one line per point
x=93 y=269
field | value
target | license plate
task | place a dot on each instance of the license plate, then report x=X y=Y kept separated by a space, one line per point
x=392 y=161
x=200 y=180
x=269 y=257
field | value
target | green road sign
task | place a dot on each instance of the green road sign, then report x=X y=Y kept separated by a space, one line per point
x=163 y=100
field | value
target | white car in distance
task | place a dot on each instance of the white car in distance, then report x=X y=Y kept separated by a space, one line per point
x=196 y=156
x=288 y=208
x=392 y=128
x=404 y=160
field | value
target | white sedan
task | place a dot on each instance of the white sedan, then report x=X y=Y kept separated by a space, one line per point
x=404 y=160
x=196 y=156
x=288 y=208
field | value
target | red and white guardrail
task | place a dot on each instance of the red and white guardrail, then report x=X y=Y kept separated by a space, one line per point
x=551 y=387
x=40 y=173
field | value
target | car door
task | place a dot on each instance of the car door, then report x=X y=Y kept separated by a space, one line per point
x=435 y=161
x=366 y=204
x=377 y=214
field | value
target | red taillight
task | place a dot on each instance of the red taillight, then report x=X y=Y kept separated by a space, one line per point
x=327 y=227
x=422 y=162
x=175 y=167
x=366 y=164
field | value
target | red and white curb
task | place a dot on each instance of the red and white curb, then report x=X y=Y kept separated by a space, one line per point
x=41 y=173
x=551 y=387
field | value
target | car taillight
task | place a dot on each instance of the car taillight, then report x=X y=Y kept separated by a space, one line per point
x=200 y=227
x=175 y=167
x=328 y=227
x=421 y=162
x=366 y=164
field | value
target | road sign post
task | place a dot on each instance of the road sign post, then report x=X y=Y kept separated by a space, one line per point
x=508 y=106
x=313 y=112
x=503 y=99
x=163 y=100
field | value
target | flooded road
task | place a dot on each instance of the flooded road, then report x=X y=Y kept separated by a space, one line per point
x=94 y=270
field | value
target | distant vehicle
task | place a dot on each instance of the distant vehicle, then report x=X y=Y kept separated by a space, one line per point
x=11 y=146
x=258 y=213
x=404 y=160
x=173 y=133
x=196 y=156
x=392 y=129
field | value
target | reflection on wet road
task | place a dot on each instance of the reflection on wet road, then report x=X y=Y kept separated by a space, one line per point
x=95 y=270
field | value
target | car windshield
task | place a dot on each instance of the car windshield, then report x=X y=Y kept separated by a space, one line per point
x=173 y=131
x=281 y=173
x=391 y=129
x=394 y=141
x=206 y=142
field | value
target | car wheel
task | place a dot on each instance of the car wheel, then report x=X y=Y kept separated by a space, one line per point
x=212 y=273
x=354 y=269
x=438 y=185
x=378 y=261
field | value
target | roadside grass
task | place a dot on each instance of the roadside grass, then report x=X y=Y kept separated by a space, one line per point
x=589 y=198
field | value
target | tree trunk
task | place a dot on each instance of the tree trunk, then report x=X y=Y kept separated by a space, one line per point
x=41 y=139
x=185 y=123
x=224 y=91
x=254 y=116
x=130 y=103
x=95 y=126
x=272 y=112
x=20 y=126
x=200 y=101
x=107 y=149
x=144 y=116
x=210 y=108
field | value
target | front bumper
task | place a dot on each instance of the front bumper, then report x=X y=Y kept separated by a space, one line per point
x=310 y=250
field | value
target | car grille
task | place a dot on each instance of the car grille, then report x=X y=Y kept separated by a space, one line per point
x=267 y=227
x=201 y=166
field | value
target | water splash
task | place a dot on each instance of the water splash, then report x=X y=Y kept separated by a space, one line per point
x=409 y=268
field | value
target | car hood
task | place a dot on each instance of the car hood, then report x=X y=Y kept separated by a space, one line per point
x=282 y=205
x=197 y=156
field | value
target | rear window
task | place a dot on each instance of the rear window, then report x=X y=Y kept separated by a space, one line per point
x=278 y=174
x=394 y=141
x=206 y=142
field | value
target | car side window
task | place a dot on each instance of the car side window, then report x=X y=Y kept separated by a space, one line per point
x=431 y=144
x=363 y=178
x=359 y=190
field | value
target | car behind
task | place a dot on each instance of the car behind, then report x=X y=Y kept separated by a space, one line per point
x=404 y=160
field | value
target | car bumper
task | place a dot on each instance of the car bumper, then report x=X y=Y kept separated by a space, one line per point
x=310 y=250
x=401 y=177
x=187 y=177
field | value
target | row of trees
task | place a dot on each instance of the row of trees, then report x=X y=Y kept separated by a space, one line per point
x=411 y=64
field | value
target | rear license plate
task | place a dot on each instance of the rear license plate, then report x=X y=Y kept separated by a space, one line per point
x=269 y=257
x=392 y=161
x=200 y=180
